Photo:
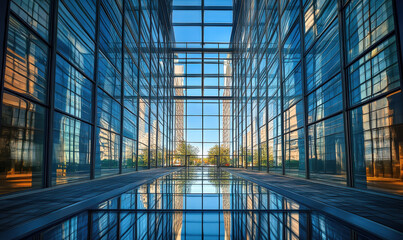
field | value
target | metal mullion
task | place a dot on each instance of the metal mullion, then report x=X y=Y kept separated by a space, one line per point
x=4 y=24
x=149 y=84
x=76 y=68
x=369 y=49
x=122 y=91
x=51 y=94
x=75 y=18
x=318 y=37
x=27 y=97
x=112 y=22
x=398 y=20
x=344 y=80
x=30 y=28
x=304 y=90
x=280 y=69
x=94 y=96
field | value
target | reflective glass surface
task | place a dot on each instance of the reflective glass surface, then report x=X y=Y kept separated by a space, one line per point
x=200 y=203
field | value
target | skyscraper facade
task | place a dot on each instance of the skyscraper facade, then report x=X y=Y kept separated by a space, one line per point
x=319 y=82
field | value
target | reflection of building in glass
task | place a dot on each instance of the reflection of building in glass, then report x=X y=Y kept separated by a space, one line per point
x=179 y=103
x=226 y=104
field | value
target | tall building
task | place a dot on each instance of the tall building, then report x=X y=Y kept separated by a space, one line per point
x=170 y=109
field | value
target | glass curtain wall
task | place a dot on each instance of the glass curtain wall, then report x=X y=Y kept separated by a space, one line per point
x=316 y=91
x=202 y=83
x=85 y=90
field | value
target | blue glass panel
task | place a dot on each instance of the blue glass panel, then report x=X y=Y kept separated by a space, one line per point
x=326 y=100
x=107 y=153
x=23 y=144
x=327 y=155
x=294 y=153
x=291 y=51
x=35 y=13
x=26 y=63
x=377 y=130
x=74 y=43
x=71 y=150
x=323 y=60
x=109 y=78
x=129 y=155
x=367 y=21
x=73 y=92
x=375 y=73
x=108 y=113
x=318 y=15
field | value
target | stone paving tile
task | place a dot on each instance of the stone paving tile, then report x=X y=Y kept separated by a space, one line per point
x=381 y=208
x=20 y=209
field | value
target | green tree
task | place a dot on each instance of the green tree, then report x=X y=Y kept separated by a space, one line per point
x=186 y=149
x=221 y=151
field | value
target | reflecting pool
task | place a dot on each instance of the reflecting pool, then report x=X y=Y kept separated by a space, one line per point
x=201 y=203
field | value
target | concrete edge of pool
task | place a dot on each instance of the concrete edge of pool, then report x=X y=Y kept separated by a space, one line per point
x=29 y=227
x=372 y=227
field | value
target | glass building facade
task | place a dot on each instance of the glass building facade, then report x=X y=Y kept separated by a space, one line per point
x=305 y=88
x=317 y=87
x=85 y=90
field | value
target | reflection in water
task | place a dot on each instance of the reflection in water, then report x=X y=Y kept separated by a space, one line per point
x=199 y=203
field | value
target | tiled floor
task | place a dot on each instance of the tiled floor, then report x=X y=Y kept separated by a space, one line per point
x=381 y=208
x=25 y=212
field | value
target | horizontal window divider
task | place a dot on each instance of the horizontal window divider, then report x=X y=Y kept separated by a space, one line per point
x=182 y=7
x=31 y=30
x=306 y=51
x=74 y=66
x=75 y=18
x=369 y=49
x=374 y=98
x=322 y=84
x=72 y=116
x=26 y=97
x=324 y=118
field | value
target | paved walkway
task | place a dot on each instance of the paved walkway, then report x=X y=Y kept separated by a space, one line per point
x=23 y=214
x=376 y=212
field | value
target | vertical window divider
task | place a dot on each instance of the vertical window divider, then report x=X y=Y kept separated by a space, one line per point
x=122 y=75
x=304 y=89
x=95 y=88
x=51 y=94
x=346 y=117
x=4 y=23
x=280 y=73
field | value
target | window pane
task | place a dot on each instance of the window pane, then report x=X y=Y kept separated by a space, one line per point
x=327 y=151
x=26 y=63
x=186 y=16
x=217 y=16
x=367 y=22
x=291 y=51
x=109 y=78
x=323 y=60
x=74 y=43
x=375 y=73
x=108 y=113
x=217 y=34
x=326 y=100
x=187 y=34
x=107 y=153
x=129 y=155
x=22 y=144
x=377 y=130
x=72 y=150
x=73 y=92
x=35 y=13
x=318 y=15
x=295 y=153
